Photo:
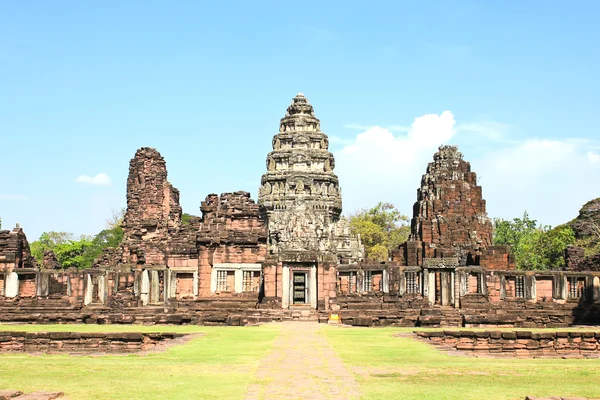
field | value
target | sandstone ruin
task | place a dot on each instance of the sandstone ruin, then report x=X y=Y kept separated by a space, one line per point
x=290 y=255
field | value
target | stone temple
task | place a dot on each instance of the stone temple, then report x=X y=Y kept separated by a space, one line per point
x=290 y=255
x=303 y=200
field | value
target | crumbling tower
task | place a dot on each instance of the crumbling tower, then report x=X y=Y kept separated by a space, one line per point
x=449 y=216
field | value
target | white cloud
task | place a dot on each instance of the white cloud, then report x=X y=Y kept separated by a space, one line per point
x=550 y=179
x=594 y=158
x=101 y=179
x=380 y=166
x=12 y=197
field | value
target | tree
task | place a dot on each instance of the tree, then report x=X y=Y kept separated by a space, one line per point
x=186 y=218
x=382 y=229
x=81 y=252
x=49 y=241
x=534 y=247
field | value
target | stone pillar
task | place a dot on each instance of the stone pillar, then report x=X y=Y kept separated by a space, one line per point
x=89 y=290
x=386 y=281
x=484 y=288
x=238 y=280
x=360 y=281
x=213 y=280
x=455 y=289
x=11 y=284
x=596 y=288
x=313 y=286
x=144 y=287
x=502 y=287
x=154 y=287
x=172 y=278
x=102 y=288
x=564 y=287
x=402 y=283
x=195 y=288
x=557 y=287
x=285 y=284
x=445 y=287
x=462 y=283
x=69 y=286
x=431 y=294
x=530 y=287
x=42 y=284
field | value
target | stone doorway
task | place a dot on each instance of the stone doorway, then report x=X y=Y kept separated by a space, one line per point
x=441 y=287
x=299 y=288
x=299 y=283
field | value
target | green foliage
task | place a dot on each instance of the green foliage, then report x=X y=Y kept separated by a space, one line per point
x=78 y=253
x=185 y=218
x=534 y=247
x=381 y=228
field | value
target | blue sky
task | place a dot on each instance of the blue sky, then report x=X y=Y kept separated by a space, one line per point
x=84 y=84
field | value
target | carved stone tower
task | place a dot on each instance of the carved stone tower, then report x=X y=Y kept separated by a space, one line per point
x=300 y=190
x=302 y=198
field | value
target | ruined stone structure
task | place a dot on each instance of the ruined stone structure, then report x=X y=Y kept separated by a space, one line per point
x=449 y=216
x=14 y=250
x=290 y=255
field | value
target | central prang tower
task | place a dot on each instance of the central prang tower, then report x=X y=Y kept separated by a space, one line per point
x=301 y=193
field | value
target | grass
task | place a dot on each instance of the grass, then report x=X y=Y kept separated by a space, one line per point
x=218 y=365
x=398 y=367
x=222 y=363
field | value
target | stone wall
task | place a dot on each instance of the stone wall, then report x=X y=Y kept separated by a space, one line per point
x=81 y=342
x=517 y=343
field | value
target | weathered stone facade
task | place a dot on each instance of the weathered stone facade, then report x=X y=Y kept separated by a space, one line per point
x=301 y=193
x=449 y=216
x=303 y=201
x=290 y=255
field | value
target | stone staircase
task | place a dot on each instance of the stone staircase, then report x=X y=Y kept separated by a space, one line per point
x=32 y=309
x=440 y=316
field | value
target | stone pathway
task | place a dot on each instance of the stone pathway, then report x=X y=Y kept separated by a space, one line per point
x=302 y=365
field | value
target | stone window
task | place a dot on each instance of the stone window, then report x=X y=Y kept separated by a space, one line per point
x=412 y=282
x=520 y=286
x=347 y=282
x=576 y=287
x=515 y=286
x=225 y=281
x=373 y=281
x=250 y=281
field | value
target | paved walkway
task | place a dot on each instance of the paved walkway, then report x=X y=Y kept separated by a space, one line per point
x=302 y=365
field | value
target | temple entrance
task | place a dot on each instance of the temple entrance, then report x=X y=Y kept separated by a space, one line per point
x=441 y=287
x=299 y=288
x=299 y=285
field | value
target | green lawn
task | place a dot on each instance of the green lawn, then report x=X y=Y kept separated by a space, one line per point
x=218 y=365
x=222 y=363
x=402 y=368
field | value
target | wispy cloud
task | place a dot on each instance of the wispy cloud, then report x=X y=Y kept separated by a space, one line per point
x=12 y=197
x=101 y=179
x=491 y=130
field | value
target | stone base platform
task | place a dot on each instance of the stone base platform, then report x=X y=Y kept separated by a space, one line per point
x=526 y=344
x=82 y=342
